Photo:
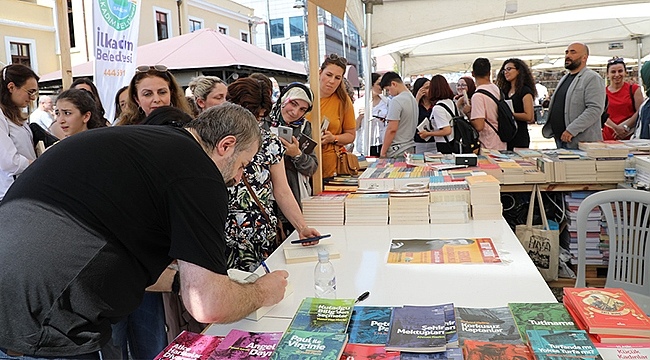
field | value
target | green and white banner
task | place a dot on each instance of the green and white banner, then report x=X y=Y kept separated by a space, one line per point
x=116 y=25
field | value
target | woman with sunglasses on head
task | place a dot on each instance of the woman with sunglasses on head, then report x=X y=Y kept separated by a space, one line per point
x=517 y=84
x=335 y=107
x=18 y=88
x=76 y=111
x=623 y=102
x=150 y=88
x=208 y=91
x=300 y=162
x=465 y=88
x=251 y=225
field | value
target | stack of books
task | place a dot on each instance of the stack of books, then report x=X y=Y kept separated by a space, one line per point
x=594 y=255
x=610 y=159
x=409 y=207
x=366 y=209
x=572 y=165
x=609 y=315
x=324 y=209
x=642 y=168
x=485 y=197
x=448 y=212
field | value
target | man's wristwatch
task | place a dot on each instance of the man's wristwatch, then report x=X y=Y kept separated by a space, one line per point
x=627 y=128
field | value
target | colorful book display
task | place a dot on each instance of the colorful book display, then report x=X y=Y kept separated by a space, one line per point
x=443 y=251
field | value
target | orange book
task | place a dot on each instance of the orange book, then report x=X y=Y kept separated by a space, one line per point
x=606 y=338
x=473 y=349
x=607 y=311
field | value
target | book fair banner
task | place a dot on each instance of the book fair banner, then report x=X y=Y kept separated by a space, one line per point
x=116 y=24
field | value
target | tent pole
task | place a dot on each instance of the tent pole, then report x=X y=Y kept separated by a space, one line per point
x=312 y=35
x=365 y=128
x=639 y=52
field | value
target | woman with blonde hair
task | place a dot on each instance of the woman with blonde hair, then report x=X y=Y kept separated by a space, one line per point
x=150 y=88
x=208 y=91
x=335 y=107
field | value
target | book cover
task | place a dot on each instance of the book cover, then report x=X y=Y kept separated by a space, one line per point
x=323 y=315
x=625 y=352
x=474 y=349
x=541 y=316
x=189 y=345
x=246 y=345
x=306 y=144
x=600 y=339
x=486 y=324
x=451 y=334
x=450 y=354
x=298 y=344
x=368 y=352
x=369 y=325
x=417 y=329
x=443 y=251
x=298 y=253
x=607 y=311
x=554 y=344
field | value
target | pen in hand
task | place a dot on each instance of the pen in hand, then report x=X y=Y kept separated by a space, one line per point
x=266 y=268
x=362 y=297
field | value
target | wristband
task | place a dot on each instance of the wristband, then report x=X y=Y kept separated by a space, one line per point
x=627 y=128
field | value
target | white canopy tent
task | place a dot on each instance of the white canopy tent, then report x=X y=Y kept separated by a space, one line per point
x=447 y=35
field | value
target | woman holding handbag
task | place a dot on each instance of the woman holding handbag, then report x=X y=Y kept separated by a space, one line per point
x=251 y=227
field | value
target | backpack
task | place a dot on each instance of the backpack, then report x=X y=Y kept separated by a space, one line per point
x=506 y=119
x=465 y=139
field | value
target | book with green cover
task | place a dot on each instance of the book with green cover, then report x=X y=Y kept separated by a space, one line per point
x=323 y=315
x=307 y=345
x=541 y=316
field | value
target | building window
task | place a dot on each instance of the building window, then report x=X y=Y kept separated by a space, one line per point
x=20 y=54
x=296 y=26
x=243 y=36
x=195 y=25
x=71 y=24
x=277 y=28
x=222 y=29
x=278 y=49
x=162 y=27
x=297 y=51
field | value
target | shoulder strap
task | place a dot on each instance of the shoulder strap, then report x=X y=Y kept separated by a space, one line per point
x=257 y=201
x=489 y=94
x=448 y=109
x=632 y=97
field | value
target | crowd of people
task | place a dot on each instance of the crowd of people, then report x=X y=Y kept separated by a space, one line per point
x=108 y=212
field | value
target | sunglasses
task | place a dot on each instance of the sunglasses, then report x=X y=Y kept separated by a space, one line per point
x=339 y=59
x=145 y=68
x=616 y=60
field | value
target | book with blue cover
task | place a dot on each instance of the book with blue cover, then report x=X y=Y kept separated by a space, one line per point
x=369 y=325
x=451 y=335
x=307 y=345
x=323 y=315
x=417 y=329
x=556 y=344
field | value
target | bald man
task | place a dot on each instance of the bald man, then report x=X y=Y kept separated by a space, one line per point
x=43 y=115
x=577 y=103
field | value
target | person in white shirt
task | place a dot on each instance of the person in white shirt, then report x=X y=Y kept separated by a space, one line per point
x=18 y=88
x=401 y=118
x=43 y=115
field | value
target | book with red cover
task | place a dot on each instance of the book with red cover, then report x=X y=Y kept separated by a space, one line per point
x=473 y=349
x=607 y=311
x=368 y=352
x=606 y=338
x=189 y=345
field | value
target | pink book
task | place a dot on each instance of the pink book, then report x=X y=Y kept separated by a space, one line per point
x=189 y=345
x=247 y=345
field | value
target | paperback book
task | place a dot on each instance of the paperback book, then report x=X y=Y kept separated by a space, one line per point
x=625 y=352
x=554 y=344
x=443 y=251
x=239 y=344
x=607 y=311
x=368 y=352
x=600 y=339
x=298 y=344
x=189 y=345
x=474 y=349
x=449 y=354
x=323 y=315
x=486 y=324
x=369 y=325
x=417 y=329
x=541 y=316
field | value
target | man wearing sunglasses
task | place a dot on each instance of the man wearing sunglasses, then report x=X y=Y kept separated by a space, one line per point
x=89 y=225
x=577 y=103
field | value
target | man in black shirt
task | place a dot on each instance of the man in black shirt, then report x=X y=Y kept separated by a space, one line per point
x=577 y=103
x=96 y=219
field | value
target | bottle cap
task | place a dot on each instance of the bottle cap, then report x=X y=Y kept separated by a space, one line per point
x=323 y=255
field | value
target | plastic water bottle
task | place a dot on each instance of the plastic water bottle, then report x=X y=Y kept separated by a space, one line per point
x=630 y=169
x=324 y=277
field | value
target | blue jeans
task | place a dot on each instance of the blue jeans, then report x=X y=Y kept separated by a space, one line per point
x=142 y=333
x=560 y=144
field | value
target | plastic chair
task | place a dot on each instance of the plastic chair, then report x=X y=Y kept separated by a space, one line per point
x=627 y=212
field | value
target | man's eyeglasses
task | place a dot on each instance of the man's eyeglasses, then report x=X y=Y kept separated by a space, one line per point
x=336 y=58
x=33 y=93
x=145 y=68
x=616 y=60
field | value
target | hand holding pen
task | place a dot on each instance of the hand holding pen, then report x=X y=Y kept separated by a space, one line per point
x=272 y=285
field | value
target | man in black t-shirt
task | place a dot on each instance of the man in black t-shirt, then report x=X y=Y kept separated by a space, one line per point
x=96 y=219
